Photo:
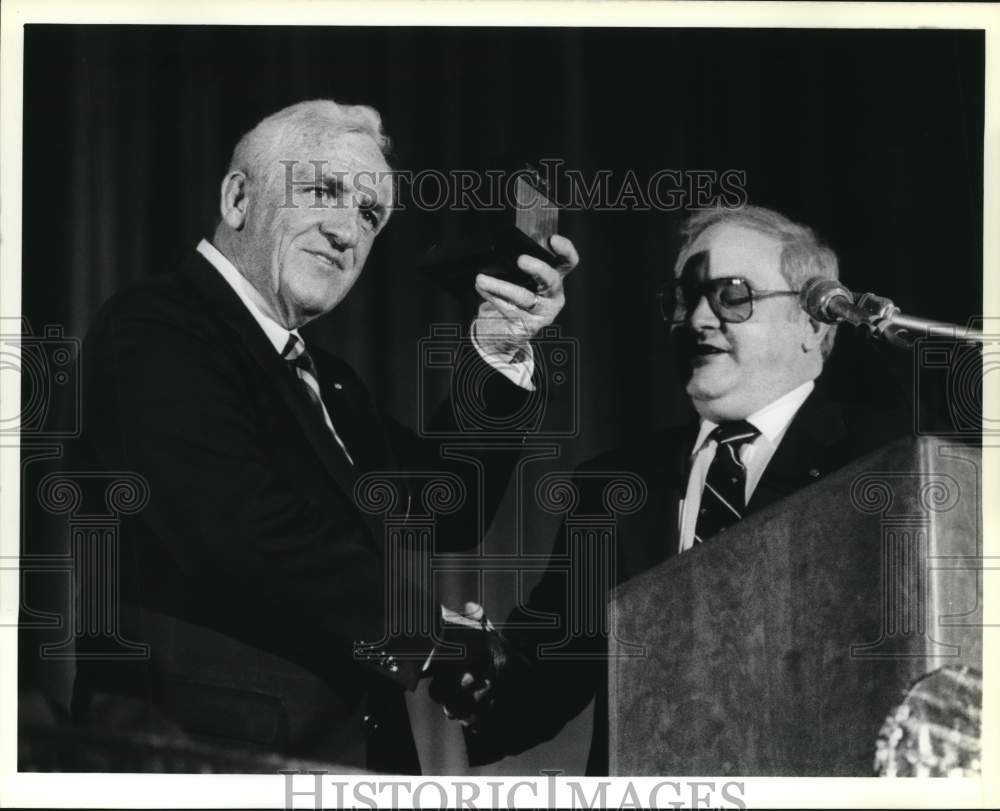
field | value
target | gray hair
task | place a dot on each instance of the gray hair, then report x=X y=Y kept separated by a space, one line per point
x=259 y=151
x=803 y=255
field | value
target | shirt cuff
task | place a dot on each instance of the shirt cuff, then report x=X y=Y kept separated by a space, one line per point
x=518 y=366
x=449 y=617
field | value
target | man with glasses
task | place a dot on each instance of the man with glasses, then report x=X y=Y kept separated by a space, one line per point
x=763 y=430
x=752 y=354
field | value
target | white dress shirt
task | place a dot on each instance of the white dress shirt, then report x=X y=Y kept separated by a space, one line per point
x=254 y=302
x=772 y=421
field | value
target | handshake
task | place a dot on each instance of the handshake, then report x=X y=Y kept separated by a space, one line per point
x=472 y=668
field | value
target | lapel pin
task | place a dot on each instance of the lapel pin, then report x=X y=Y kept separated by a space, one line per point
x=337 y=386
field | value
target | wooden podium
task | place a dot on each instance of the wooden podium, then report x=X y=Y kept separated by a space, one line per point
x=780 y=646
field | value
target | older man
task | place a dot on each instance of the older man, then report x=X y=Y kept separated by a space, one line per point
x=252 y=574
x=762 y=430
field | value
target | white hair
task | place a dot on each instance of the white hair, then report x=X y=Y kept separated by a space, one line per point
x=803 y=255
x=259 y=151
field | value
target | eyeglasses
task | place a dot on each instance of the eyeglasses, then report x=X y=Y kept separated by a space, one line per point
x=730 y=298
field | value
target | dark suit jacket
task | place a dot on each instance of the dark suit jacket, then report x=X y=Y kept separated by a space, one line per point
x=535 y=700
x=252 y=572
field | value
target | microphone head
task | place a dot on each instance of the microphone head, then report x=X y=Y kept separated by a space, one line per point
x=816 y=295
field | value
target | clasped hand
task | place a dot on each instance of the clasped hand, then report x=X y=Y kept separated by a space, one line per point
x=463 y=684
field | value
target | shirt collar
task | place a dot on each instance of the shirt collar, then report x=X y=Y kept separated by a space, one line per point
x=772 y=420
x=248 y=294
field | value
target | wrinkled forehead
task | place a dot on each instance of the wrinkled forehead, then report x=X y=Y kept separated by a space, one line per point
x=725 y=250
x=349 y=160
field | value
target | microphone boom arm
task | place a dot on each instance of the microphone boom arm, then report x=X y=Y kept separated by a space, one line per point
x=829 y=302
x=887 y=321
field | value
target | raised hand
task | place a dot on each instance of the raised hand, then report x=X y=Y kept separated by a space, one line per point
x=511 y=315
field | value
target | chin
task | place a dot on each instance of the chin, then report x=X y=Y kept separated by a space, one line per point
x=707 y=409
x=717 y=402
x=314 y=303
x=705 y=385
x=315 y=309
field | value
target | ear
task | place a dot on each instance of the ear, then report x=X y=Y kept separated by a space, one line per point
x=813 y=333
x=233 y=200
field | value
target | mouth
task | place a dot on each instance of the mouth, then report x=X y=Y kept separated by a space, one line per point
x=325 y=258
x=701 y=353
x=693 y=350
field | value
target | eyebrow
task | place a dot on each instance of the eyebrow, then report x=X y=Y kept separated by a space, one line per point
x=333 y=184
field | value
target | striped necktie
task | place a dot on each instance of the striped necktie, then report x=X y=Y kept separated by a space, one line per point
x=298 y=358
x=723 y=500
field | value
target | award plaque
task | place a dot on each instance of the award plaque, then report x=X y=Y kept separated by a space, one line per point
x=525 y=230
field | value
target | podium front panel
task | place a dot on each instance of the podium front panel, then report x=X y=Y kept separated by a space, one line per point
x=780 y=646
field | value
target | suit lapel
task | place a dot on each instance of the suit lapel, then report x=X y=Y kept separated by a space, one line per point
x=250 y=336
x=650 y=535
x=360 y=428
x=354 y=415
x=803 y=455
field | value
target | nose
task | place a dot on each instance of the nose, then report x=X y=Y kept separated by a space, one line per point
x=701 y=315
x=341 y=226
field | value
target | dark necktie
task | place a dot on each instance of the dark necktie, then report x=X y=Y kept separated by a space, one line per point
x=723 y=500
x=298 y=358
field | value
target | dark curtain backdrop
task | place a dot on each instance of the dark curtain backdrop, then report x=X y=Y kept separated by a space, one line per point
x=872 y=137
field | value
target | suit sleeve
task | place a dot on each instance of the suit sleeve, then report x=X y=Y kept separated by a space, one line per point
x=477 y=433
x=553 y=671
x=165 y=400
x=558 y=639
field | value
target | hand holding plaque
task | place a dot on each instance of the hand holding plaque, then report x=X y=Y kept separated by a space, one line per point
x=510 y=314
x=517 y=269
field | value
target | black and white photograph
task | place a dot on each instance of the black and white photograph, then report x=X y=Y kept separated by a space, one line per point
x=455 y=407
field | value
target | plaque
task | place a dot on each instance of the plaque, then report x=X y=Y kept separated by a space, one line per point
x=524 y=230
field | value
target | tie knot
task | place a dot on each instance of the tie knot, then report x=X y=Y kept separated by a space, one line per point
x=293 y=348
x=736 y=433
x=296 y=355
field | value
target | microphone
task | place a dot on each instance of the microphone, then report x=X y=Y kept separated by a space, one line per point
x=828 y=301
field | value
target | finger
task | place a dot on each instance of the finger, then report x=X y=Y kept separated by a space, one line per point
x=480 y=695
x=509 y=314
x=548 y=280
x=464 y=718
x=482 y=687
x=503 y=311
x=474 y=610
x=566 y=251
x=487 y=310
x=507 y=291
x=444 y=689
x=469 y=705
